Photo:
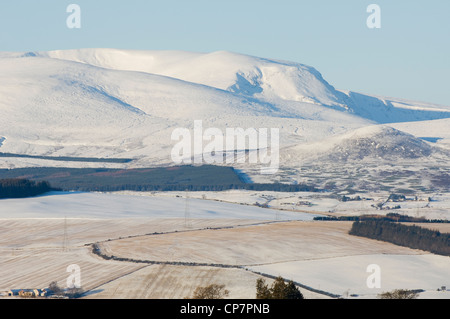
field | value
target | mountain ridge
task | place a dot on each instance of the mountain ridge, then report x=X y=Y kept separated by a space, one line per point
x=225 y=70
x=108 y=103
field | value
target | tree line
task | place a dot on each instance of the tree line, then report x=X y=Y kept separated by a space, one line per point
x=181 y=178
x=392 y=217
x=21 y=188
x=414 y=237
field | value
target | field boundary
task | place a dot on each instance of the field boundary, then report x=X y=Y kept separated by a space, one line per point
x=96 y=250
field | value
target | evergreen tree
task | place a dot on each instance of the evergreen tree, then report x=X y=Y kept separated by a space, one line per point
x=409 y=236
x=262 y=289
x=292 y=292
x=278 y=290
x=20 y=188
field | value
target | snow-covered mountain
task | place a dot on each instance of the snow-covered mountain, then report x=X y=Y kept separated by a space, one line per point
x=119 y=103
x=238 y=73
x=272 y=80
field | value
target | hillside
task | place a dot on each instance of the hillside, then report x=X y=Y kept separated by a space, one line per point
x=74 y=109
x=262 y=78
x=124 y=104
x=371 y=142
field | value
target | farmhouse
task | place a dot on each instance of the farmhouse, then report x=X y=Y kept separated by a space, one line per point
x=29 y=293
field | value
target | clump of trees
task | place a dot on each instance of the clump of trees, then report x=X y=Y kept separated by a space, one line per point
x=21 y=188
x=73 y=292
x=279 y=290
x=350 y=199
x=399 y=294
x=414 y=237
x=397 y=198
x=55 y=289
x=213 y=291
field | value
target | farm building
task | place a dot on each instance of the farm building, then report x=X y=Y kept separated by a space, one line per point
x=13 y=292
x=27 y=293
x=45 y=292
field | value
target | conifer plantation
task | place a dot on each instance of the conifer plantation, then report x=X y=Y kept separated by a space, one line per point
x=414 y=237
x=21 y=188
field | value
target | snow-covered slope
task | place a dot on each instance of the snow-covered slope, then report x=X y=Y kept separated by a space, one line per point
x=386 y=110
x=119 y=103
x=378 y=142
x=229 y=71
x=65 y=108
x=266 y=79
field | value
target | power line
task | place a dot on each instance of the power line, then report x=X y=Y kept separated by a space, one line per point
x=65 y=239
x=187 y=213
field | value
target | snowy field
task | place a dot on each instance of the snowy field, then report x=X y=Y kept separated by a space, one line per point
x=348 y=275
x=41 y=236
x=319 y=204
x=110 y=206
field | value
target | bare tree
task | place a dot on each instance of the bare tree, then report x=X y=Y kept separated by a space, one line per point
x=213 y=291
x=399 y=294
x=55 y=289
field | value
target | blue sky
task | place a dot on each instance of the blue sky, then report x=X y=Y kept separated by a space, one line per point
x=409 y=57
